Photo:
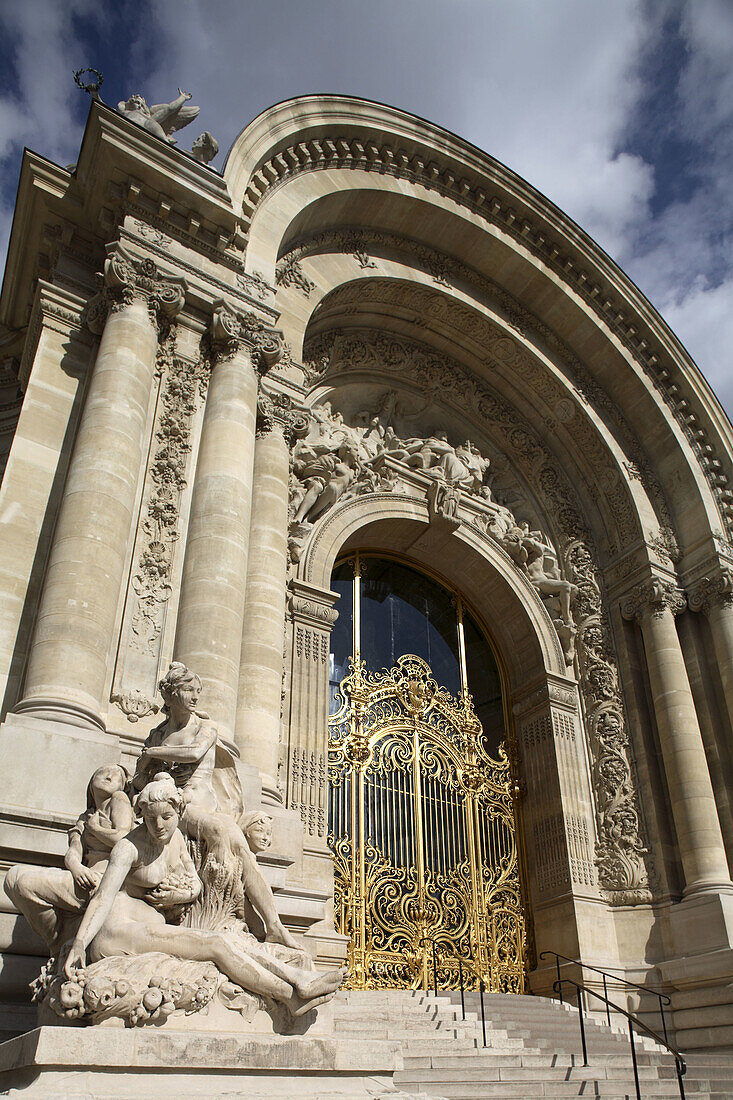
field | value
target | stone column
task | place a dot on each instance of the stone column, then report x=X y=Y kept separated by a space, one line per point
x=702 y=852
x=69 y=655
x=257 y=731
x=714 y=597
x=209 y=628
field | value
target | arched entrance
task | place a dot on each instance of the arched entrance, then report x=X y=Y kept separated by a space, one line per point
x=423 y=817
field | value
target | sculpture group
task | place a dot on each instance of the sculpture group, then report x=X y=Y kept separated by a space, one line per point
x=151 y=914
x=335 y=460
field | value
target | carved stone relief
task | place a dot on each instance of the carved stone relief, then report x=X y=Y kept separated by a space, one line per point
x=621 y=855
x=183 y=384
x=552 y=249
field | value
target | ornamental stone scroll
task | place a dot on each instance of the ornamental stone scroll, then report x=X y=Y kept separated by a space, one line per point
x=126 y=278
x=231 y=331
x=653 y=598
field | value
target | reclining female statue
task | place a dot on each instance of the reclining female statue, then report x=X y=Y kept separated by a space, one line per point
x=185 y=744
x=50 y=898
x=149 y=871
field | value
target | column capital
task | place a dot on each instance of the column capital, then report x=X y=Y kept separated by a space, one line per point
x=127 y=278
x=713 y=590
x=278 y=412
x=652 y=598
x=231 y=331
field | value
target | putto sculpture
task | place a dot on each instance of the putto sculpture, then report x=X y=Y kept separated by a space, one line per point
x=162 y=119
x=149 y=916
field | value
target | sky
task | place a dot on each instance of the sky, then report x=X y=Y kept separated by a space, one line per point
x=620 y=111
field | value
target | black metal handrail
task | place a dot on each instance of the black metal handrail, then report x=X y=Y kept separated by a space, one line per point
x=679 y=1059
x=661 y=997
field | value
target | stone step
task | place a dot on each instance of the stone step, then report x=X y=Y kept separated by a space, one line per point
x=596 y=1087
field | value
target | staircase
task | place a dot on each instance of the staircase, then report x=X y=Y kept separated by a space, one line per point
x=533 y=1050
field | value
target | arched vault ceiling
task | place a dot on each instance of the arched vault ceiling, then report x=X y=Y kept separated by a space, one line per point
x=476 y=322
x=310 y=164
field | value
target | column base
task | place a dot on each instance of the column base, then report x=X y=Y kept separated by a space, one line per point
x=65 y=711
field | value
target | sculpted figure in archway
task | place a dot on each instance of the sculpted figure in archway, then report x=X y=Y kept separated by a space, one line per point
x=186 y=744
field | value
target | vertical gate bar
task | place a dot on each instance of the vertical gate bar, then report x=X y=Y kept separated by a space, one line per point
x=419 y=839
x=460 y=978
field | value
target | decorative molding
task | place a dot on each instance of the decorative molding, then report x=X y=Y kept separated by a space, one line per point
x=128 y=278
x=712 y=591
x=486 y=334
x=183 y=381
x=289 y=273
x=134 y=705
x=307 y=784
x=231 y=331
x=278 y=411
x=538 y=237
x=621 y=855
x=653 y=597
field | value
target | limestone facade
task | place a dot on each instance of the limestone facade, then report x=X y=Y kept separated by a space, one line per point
x=355 y=266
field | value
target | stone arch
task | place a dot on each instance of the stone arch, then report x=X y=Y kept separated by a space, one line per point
x=558 y=812
x=322 y=149
x=478 y=567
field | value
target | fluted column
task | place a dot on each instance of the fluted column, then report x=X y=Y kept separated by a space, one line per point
x=714 y=597
x=209 y=628
x=700 y=840
x=69 y=654
x=259 y=703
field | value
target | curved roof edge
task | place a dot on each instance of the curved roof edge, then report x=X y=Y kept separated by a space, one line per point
x=311 y=116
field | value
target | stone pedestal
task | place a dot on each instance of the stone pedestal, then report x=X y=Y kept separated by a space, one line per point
x=112 y=1064
x=701 y=974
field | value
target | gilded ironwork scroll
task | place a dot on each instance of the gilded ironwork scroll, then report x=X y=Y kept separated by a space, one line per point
x=422 y=828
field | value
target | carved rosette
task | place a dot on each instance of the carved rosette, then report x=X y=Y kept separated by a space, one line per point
x=653 y=598
x=712 y=591
x=232 y=331
x=128 y=278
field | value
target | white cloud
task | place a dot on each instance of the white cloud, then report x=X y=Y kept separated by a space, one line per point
x=550 y=88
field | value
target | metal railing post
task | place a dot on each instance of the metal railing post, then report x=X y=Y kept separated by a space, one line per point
x=664 y=1022
x=559 y=979
x=681 y=1066
x=483 y=1013
x=582 y=1026
x=605 y=994
x=633 y=1061
x=435 y=971
x=460 y=976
